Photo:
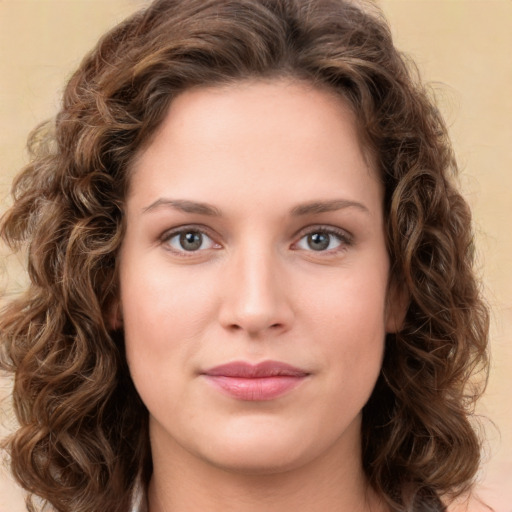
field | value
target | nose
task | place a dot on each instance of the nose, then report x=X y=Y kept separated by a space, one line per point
x=256 y=297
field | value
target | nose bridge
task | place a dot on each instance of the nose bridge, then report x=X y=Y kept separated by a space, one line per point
x=256 y=297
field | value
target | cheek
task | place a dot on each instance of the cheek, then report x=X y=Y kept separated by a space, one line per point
x=348 y=321
x=350 y=303
x=160 y=302
x=164 y=314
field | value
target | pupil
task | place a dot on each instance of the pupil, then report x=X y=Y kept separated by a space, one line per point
x=318 y=241
x=191 y=241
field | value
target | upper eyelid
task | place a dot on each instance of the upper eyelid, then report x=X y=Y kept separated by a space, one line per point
x=343 y=233
x=169 y=233
x=165 y=241
x=335 y=230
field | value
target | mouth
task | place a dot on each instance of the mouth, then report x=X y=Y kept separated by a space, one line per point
x=264 y=381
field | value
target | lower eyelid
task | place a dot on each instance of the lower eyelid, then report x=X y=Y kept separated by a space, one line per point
x=170 y=235
x=343 y=238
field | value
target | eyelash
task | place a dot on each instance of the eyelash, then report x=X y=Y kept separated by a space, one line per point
x=344 y=238
x=183 y=230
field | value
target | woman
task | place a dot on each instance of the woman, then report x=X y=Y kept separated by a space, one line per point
x=251 y=273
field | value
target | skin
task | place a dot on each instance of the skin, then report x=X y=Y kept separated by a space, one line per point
x=259 y=154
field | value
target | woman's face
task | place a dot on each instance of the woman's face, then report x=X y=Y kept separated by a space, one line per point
x=254 y=278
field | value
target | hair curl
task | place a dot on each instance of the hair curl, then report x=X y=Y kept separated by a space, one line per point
x=83 y=442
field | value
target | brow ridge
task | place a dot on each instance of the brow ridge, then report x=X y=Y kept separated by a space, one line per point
x=184 y=205
x=315 y=207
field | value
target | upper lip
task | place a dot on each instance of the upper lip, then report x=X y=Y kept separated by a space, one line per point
x=242 y=369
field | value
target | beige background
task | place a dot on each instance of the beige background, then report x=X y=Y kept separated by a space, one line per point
x=463 y=46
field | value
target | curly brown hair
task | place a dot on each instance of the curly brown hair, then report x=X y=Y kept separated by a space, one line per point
x=82 y=444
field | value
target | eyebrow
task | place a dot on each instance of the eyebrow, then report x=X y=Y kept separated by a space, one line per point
x=184 y=206
x=314 y=207
x=327 y=206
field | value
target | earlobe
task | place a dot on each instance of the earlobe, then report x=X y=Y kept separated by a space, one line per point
x=396 y=308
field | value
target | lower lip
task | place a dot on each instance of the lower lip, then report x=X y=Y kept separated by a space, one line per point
x=255 y=389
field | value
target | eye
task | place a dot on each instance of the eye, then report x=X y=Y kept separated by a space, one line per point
x=189 y=240
x=322 y=240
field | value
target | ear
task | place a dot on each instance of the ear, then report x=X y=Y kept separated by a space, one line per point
x=114 y=317
x=397 y=304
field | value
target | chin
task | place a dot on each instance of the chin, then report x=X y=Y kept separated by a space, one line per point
x=261 y=459
x=265 y=448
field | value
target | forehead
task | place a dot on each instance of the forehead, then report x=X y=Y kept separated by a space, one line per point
x=261 y=98
x=256 y=135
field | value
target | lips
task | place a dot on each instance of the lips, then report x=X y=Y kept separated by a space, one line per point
x=265 y=381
